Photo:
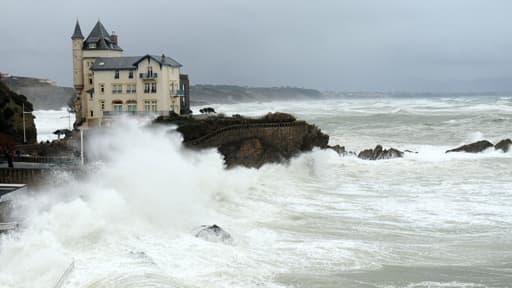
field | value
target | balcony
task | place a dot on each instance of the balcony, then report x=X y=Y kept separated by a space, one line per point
x=148 y=75
x=109 y=114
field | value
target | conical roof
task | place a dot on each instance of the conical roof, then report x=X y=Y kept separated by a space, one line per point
x=77 y=34
x=100 y=39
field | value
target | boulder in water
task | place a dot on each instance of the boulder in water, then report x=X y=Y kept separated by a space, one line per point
x=338 y=149
x=476 y=147
x=214 y=233
x=378 y=153
x=504 y=145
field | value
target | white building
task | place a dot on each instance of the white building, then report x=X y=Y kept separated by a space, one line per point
x=108 y=83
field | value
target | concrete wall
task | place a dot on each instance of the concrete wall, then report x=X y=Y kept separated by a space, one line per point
x=22 y=175
x=32 y=176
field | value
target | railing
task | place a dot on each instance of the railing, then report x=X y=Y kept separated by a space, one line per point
x=148 y=75
x=8 y=226
x=65 y=275
x=201 y=139
x=135 y=113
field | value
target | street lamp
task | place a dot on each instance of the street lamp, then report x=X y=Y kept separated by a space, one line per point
x=24 y=130
x=69 y=119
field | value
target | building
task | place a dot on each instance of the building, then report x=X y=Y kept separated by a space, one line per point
x=108 y=84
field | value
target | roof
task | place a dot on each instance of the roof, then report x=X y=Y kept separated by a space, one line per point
x=162 y=60
x=130 y=62
x=77 y=34
x=115 y=63
x=101 y=38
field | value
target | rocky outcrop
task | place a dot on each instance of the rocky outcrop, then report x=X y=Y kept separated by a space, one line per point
x=250 y=142
x=214 y=233
x=475 y=147
x=504 y=145
x=338 y=149
x=378 y=153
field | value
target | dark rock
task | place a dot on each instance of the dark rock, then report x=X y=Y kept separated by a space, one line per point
x=250 y=142
x=378 y=153
x=476 y=147
x=214 y=233
x=503 y=145
x=250 y=152
x=338 y=149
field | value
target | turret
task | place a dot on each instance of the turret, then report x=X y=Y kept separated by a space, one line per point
x=77 y=40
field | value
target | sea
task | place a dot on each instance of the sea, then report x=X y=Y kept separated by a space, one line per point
x=429 y=219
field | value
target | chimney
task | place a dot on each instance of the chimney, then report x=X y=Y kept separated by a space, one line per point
x=114 y=38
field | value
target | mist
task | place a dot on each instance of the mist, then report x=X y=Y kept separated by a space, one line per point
x=396 y=45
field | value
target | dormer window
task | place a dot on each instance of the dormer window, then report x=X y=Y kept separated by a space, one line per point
x=92 y=45
x=116 y=74
x=130 y=75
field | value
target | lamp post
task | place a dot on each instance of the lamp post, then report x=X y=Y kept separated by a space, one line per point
x=24 y=128
x=69 y=119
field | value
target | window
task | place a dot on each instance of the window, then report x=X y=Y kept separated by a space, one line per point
x=102 y=88
x=102 y=105
x=90 y=81
x=147 y=105
x=132 y=107
x=172 y=89
x=117 y=107
x=117 y=88
x=130 y=74
x=153 y=87
x=131 y=88
x=153 y=106
x=92 y=113
x=146 y=87
x=116 y=74
x=90 y=96
x=92 y=45
x=150 y=71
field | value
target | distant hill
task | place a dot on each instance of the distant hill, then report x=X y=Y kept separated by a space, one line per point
x=43 y=94
x=209 y=94
x=11 y=118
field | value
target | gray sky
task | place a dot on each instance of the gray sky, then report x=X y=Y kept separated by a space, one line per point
x=412 y=45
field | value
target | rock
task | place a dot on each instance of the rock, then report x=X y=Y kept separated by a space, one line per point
x=476 y=147
x=503 y=145
x=250 y=142
x=249 y=152
x=214 y=233
x=378 y=153
x=338 y=149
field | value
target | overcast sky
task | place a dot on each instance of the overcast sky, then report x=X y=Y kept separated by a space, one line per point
x=406 y=45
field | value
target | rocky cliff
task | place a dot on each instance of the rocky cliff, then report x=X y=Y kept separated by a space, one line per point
x=250 y=142
x=11 y=118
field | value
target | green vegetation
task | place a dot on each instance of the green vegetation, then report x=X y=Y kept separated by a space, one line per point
x=11 y=117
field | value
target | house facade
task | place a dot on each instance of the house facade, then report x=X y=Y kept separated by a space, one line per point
x=109 y=84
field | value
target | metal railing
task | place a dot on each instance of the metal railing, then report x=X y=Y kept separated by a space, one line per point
x=148 y=75
x=5 y=227
x=135 y=113
x=65 y=275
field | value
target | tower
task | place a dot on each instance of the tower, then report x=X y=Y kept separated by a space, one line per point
x=77 y=40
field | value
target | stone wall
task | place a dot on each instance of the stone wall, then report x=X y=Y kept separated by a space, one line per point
x=254 y=144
